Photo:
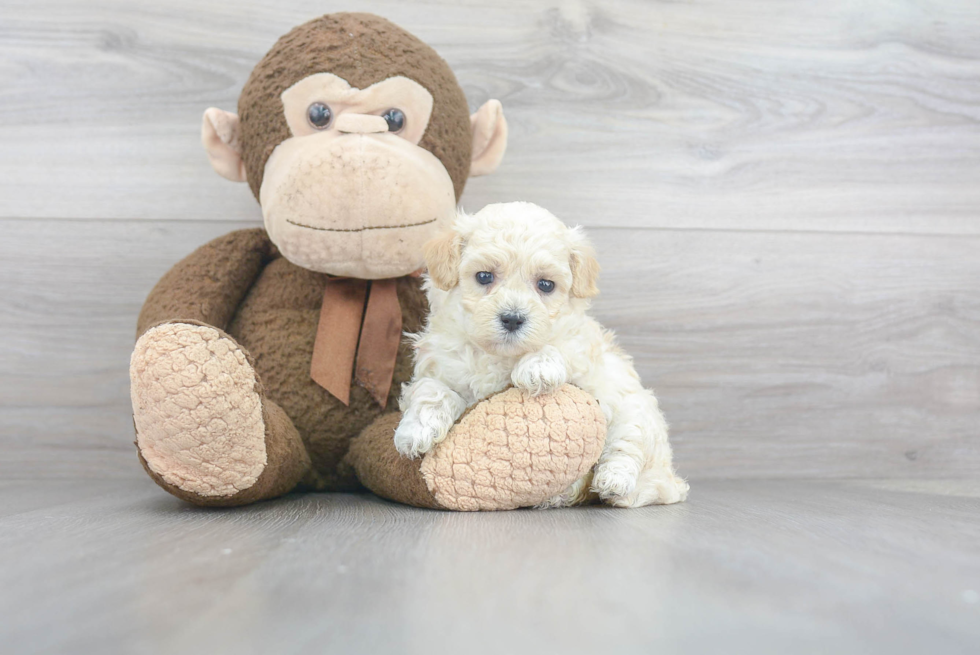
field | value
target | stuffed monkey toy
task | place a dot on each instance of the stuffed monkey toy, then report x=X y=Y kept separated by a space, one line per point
x=270 y=360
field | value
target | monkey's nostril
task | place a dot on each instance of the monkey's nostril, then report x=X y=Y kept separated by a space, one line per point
x=512 y=322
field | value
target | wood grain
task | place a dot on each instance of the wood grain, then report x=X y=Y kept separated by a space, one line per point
x=748 y=566
x=774 y=354
x=784 y=198
x=840 y=115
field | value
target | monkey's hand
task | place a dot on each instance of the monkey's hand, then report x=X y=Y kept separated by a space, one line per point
x=540 y=372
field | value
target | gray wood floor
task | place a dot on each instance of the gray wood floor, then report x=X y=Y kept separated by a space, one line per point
x=785 y=199
x=745 y=566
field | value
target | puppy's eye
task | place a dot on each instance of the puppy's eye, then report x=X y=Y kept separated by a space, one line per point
x=484 y=277
x=546 y=286
x=319 y=115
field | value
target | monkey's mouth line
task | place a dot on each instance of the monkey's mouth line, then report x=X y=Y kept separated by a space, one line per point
x=360 y=229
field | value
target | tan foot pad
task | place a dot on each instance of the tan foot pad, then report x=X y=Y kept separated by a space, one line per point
x=198 y=415
x=514 y=450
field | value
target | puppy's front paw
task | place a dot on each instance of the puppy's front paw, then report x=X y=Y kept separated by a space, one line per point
x=540 y=372
x=615 y=479
x=413 y=438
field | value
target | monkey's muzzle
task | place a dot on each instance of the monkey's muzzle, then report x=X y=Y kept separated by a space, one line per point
x=358 y=205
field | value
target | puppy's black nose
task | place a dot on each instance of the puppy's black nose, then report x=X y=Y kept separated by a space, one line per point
x=512 y=322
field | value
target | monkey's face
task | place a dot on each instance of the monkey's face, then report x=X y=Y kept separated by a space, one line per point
x=356 y=139
x=351 y=192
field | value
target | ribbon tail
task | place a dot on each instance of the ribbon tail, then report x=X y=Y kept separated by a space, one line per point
x=336 y=336
x=381 y=335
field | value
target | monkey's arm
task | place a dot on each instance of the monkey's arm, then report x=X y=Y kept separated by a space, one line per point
x=208 y=285
x=205 y=430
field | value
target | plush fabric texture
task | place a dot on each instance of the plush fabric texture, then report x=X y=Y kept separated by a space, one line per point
x=277 y=323
x=225 y=407
x=194 y=401
x=383 y=470
x=516 y=450
x=288 y=464
x=355 y=206
x=362 y=49
x=271 y=308
x=213 y=451
x=508 y=451
x=208 y=285
x=511 y=450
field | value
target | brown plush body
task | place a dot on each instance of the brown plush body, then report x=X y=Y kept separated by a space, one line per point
x=271 y=308
x=240 y=284
x=226 y=410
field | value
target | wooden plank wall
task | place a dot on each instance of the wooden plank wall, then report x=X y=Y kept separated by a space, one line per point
x=784 y=196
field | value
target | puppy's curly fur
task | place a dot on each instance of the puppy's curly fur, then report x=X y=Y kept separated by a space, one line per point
x=509 y=291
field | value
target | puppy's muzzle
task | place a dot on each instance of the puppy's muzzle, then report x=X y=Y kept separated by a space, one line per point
x=512 y=321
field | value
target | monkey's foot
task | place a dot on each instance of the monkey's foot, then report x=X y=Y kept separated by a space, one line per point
x=515 y=450
x=508 y=451
x=198 y=411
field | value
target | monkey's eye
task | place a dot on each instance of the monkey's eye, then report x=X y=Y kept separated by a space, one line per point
x=395 y=119
x=546 y=286
x=319 y=115
x=484 y=277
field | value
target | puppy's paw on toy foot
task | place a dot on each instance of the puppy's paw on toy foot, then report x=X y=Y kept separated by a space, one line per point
x=413 y=438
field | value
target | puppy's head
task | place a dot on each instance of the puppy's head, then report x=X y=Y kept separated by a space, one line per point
x=515 y=270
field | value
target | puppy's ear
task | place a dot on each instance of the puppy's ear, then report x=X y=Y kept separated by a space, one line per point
x=442 y=256
x=585 y=267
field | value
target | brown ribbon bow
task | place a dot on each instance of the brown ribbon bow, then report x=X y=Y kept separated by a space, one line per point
x=362 y=317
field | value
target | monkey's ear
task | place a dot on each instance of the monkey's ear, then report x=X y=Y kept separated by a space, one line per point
x=442 y=257
x=489 y=138
x=584 y=265
x=221 y=136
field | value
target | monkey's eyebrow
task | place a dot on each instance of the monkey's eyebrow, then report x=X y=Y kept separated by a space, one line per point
x=319 y=82
x=360 y=229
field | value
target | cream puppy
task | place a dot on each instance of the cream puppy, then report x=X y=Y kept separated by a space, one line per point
x=509 y=291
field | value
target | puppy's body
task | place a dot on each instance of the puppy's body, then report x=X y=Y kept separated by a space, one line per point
x=528 y=326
